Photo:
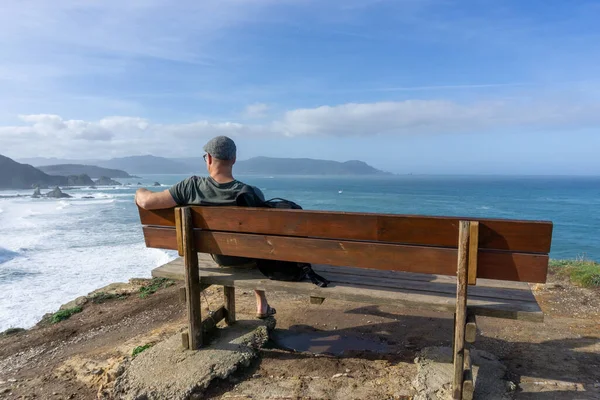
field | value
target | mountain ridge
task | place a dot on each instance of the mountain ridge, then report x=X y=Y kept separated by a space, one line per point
x=149 y=164
x=92 y=171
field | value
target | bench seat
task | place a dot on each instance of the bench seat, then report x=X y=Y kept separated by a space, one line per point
x=492 y=298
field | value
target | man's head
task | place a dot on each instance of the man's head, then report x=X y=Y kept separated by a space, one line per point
x=221 y=154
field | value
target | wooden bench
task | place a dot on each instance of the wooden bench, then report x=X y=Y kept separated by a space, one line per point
x=463 y=266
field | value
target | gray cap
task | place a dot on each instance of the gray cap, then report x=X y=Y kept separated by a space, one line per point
x=221 y=147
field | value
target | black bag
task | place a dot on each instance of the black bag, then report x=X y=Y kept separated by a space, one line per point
x=275 y=269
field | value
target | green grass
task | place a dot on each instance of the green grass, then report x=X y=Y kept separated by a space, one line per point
x=154 y=285
x=581 y=272
x=101 y=297
x=139 y=349
x=64 y=314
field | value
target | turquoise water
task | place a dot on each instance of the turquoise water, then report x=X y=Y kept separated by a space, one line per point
x=52 y=251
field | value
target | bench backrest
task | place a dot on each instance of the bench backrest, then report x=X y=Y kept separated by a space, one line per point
x=506 y=250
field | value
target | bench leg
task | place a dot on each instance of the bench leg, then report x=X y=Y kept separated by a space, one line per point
x=461 y=311
x=192 y=281
x=229 y=301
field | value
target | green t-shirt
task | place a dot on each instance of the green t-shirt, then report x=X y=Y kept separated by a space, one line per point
x=205 y=191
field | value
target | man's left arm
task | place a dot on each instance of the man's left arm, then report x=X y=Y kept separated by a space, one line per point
x=149 y=200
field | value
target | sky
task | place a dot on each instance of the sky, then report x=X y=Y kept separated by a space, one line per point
x=409 y=86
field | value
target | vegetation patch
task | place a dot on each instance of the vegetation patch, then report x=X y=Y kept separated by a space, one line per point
x=64 y=314
x=101 y=297
x=12 y=331
x=581 y=272
x=154 y=285
x=139 y=349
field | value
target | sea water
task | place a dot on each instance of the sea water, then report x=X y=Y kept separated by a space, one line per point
x=54 y=250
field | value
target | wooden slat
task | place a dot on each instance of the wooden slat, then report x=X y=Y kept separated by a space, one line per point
x=461 y=309
x=403 y=295
x=229 y=301
x=179 y=229
x=316 y=300
x=513 y=235
x=491 y=264
x=471 y=327
x=185 y=340
x=473 y=248
x=449 y=288
x=192 y=281
x=468 y=386
x=413 y=276
x=211 y=322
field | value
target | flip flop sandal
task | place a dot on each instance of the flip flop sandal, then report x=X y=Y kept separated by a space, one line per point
x=270 y=312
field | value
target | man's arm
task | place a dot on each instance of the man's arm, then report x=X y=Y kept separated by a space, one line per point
x=154 y=200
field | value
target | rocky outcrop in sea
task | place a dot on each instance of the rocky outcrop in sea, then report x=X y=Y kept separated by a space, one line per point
x=105 y=181
x=56 y=193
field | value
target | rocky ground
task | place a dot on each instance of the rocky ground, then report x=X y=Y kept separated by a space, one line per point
x=80 y=357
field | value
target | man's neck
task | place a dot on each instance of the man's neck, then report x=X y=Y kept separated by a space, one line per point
x=222 y=177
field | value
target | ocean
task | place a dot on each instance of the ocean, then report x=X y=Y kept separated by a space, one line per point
x=54 y=250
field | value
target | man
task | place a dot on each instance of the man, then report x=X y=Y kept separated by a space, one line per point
x=219 y=188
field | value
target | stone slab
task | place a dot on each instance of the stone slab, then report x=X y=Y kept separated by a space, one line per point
x=167 y=371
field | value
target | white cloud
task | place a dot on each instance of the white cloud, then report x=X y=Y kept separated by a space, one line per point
x=434 y=116
x=52 y=135
x=256 y=110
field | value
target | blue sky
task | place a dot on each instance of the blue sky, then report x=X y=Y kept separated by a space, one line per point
x=428 y=86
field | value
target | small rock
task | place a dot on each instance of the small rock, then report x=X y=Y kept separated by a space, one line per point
x=12 y=380
x=348 y=371
x=271 y=376
x=97 y=371
x=511 y=386
x=256 y=375
x=337 y=376
x=54 y=393
x=5 y=390
x=597 y=385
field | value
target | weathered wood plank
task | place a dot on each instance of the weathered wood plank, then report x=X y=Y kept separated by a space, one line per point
x=192 y=280
x=471 y=327
x=407 y=276
x=432 y=260
x=211 y=322
x=473 y=248
x=438 y=287
x=250 y=279
x=185 y=340
x=179 y=229
x=461 y=309
x=229 y=301
x=499 y=234
x=468 y=386
x=316 y=300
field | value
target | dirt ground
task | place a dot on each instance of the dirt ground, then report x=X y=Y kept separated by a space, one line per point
x=79 y=358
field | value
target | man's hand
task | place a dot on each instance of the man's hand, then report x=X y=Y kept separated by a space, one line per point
x=154 y=200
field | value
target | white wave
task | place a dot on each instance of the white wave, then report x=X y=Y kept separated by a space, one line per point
x=52 y=278
x=63 y=204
